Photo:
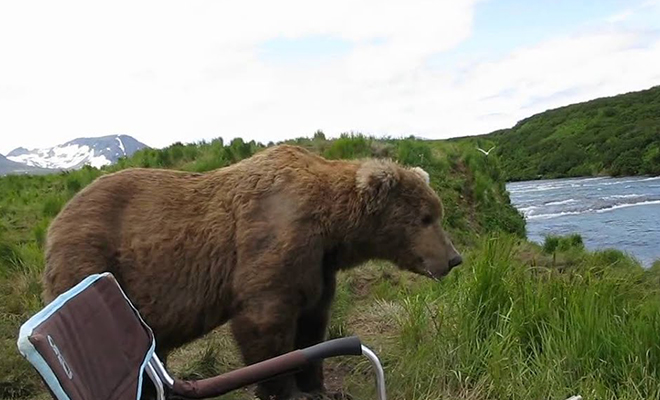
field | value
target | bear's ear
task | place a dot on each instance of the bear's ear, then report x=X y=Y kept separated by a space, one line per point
x=375 y=180
x=423 y=174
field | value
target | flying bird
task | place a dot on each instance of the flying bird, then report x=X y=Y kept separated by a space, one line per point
x=485 y=152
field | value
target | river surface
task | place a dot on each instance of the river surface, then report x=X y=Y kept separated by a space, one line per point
x=620 y=213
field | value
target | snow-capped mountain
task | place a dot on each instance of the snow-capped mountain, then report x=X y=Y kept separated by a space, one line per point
x=95 y=151
x=11 y=167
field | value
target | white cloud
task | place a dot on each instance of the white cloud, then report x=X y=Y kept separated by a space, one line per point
x=621 y=16
x=165 y=71
x=565 y=70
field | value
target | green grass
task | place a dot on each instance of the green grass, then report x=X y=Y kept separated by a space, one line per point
x=497 y=328
x=516 y=320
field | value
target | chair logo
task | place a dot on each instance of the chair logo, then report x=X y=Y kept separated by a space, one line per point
x=60 y=358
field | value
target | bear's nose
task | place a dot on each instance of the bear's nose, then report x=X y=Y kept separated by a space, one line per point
x=457 y=260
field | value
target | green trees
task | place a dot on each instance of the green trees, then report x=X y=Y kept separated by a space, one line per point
x=616 y=136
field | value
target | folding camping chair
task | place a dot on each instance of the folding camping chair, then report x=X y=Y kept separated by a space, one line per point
x=90 y=343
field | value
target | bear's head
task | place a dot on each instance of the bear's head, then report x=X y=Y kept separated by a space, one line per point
x=404 y=217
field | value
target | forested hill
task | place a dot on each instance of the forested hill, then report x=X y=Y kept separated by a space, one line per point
x=617 y=135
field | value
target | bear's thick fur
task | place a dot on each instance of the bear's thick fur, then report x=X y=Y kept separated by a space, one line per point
x=257 y=243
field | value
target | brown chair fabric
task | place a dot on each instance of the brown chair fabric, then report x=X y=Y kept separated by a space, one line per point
x=93 y=342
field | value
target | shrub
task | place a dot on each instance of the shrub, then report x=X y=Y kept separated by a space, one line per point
x=614 y=258
x=52 y=206
x=348 y=146
x=554 y=243
x=73 y=184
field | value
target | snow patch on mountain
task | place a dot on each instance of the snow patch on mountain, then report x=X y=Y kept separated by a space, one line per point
x=66 y=157
x=96 y=152
x=121 y=145
x=11 y=167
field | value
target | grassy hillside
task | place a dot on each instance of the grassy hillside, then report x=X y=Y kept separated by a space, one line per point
x=617 y=135
x=515 y=321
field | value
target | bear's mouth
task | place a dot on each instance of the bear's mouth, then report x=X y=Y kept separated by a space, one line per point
x=430 y=275
x=428 y=271
x=420 y=266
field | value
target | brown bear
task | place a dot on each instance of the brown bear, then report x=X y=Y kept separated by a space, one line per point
x=257 y=243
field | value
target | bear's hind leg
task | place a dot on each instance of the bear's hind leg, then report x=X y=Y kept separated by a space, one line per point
x=311 y=330
x=264 y=329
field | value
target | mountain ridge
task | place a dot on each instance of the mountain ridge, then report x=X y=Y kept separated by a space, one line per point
x=11 y=167
x=95 y=151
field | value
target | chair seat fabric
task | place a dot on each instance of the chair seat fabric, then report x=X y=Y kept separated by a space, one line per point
x=89 y=343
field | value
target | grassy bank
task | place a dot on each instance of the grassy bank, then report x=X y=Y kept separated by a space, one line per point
x=515 y=321
x=499 y=328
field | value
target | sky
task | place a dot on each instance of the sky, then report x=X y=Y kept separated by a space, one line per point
x=164 y=71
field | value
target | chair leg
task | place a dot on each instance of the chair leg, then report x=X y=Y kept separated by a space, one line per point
x=160 y=390
x=161 y=371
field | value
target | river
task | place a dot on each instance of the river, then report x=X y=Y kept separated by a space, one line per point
x=621 y=213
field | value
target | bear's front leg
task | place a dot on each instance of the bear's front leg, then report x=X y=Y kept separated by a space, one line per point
x=265 y=328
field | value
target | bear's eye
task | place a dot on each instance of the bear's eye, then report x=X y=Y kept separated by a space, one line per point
x=427 y=220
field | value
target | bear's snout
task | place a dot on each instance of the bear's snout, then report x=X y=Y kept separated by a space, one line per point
x=455 y=261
